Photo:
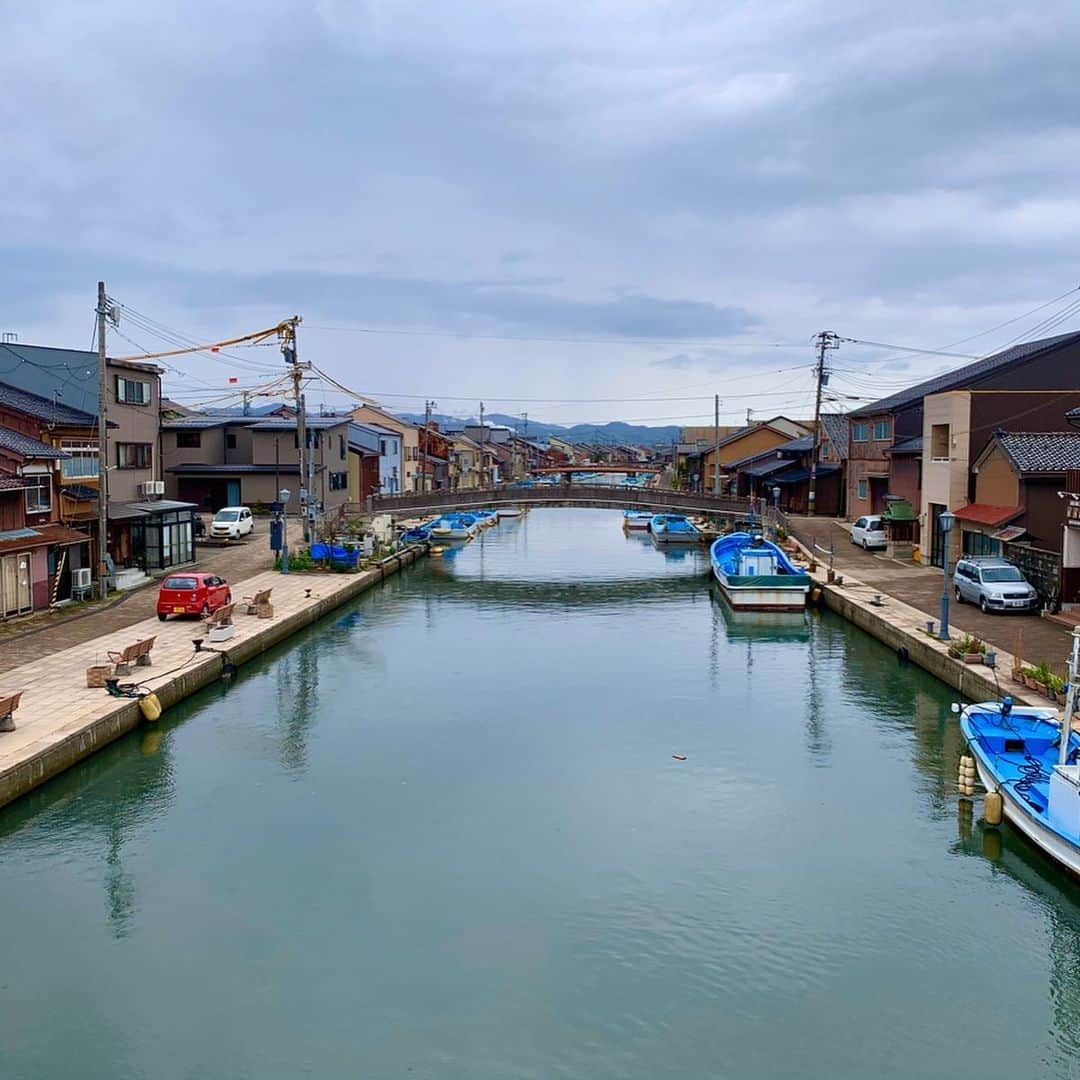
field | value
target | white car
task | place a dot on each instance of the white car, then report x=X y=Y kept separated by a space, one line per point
x=231 y=522
x=869 y=532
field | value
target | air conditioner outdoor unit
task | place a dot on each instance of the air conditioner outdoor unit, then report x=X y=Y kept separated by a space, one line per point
x=82 y=578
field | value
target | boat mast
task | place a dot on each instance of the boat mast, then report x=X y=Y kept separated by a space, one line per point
x=1070 y=697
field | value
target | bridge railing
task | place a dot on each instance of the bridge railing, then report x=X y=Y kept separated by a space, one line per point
x=600 y=495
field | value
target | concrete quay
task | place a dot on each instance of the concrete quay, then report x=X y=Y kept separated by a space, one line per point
x=901 y=626
x=61 y=721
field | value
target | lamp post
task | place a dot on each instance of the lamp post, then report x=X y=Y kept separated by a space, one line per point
x=283 y=495
x=945 y=524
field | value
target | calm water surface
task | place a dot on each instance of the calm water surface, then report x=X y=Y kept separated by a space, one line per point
x=443 y=835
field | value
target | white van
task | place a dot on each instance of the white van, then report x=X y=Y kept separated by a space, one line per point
x=869 y=532
x=231 y=522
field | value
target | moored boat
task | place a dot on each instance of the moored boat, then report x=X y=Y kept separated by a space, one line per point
x=454 y=527
x=1017 y=753
x=754 y=574
x=673 y=529
x=509 y=511
x=637 y=520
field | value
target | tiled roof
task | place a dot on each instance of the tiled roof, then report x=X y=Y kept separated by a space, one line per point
x=1041 y=451
x=836 y=431
x=26 y=446
x=42 y=408
x=952 y=380
x=985 y=514
x=906 y=446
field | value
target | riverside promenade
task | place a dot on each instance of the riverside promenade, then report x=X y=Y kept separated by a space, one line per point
x=61 y=720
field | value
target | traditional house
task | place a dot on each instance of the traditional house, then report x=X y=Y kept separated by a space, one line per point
x=464 y=463
x=364 y=462
x=741 y=445
x=920 y=443
x=409 y=478
x=215 y=461
x=1021 y=506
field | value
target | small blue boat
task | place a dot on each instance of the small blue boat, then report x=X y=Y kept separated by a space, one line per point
x=455 y=526
x=756 y=575
x=674 y=529
x=636 y=520
x=1019 y=753
x=416 y=536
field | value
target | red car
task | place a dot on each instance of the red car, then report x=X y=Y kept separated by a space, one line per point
x=192 y=594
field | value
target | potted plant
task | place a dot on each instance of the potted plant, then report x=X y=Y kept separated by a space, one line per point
x=1042 y=676
x=1056 y=688
x=1027 y=676
x=968 y=649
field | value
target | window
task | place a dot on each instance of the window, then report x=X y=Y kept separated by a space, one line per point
x=860 y=432
x=382 y=447
x=230 y=440
x=188 y=440
x=882 y=430
x=83 y=462
x=862 y=489
x=939 y=442
x=339 y=481
x=976 y=543
x=341 y=447
x=133 y=455
x=823 y=450
x=132 y=391
x=38 y=493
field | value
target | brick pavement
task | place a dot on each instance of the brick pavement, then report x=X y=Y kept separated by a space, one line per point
x=920 y=586
x=27 y=639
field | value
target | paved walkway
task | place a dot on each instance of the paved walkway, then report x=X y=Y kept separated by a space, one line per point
x=1033 y=638
x=23 y=640
x=62 y=720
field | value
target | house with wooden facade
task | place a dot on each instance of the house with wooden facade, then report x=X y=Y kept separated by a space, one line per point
x=919 y=444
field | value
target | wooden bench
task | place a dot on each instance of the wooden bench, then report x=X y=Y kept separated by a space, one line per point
x=220 y=623
x=222 y=616
x=253 y=603
x=138 y=654
x=8 y=705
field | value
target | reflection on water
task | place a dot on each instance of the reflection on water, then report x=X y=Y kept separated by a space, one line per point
x=443 y=833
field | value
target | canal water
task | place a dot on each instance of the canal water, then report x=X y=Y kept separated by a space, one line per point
x=444 y=834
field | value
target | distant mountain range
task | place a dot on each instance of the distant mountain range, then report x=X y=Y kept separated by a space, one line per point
x=604 y=434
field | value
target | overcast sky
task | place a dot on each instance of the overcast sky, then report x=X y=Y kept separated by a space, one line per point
x=689 y=173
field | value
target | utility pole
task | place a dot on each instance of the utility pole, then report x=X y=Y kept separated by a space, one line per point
x=103 y=444
x=287 y=332
x=749 y=413
x=425 y=449
x=825 y=340
x=716 y=459
x=247 y=402
x=483 y=460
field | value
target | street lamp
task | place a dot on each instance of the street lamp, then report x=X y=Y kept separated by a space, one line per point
x=945 y=524
x=283 y=495
x=776 y=497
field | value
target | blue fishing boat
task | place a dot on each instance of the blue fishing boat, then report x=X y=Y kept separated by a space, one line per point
x=454 y=526
x=485 y=518
x=418 y=535
x=756 y=575
x=1032 y=760
x=637 y=520
x=673 y=529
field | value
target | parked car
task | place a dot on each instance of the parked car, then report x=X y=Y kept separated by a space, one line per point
x=231 y=522
x=994 y=584
x=192 y=594
x=869 y=532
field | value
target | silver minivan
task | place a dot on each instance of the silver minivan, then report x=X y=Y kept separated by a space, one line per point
x=994 y=584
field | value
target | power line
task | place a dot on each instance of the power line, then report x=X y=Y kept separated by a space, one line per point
x=464 y=335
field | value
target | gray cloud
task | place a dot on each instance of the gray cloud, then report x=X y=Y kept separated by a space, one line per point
x=669 y=172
